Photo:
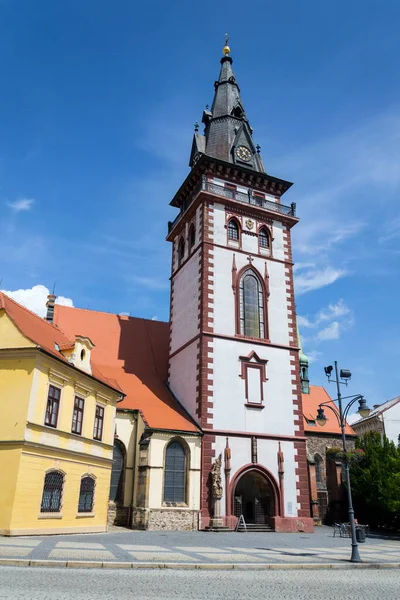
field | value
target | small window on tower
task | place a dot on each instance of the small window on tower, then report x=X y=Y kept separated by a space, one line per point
x=181 y=251
x=263 y=238
x=233 y=230
x=192 y=236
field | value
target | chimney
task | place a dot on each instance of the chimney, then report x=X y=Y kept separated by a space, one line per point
x=51 y=300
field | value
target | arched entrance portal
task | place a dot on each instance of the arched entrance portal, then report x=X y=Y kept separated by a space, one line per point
x=254 y=498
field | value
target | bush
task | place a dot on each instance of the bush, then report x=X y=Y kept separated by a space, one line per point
x=375 y=482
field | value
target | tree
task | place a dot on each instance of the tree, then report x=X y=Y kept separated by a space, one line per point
x=375 y=482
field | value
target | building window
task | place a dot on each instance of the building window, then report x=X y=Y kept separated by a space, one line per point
x=52 y=492
x=263 y=238
x=251 y=313
x=117 y=472
x=233 y=231
x=77 y=416
x=86 y=495
x=175 y=473
x=98 y=423
x=53 y=405
x=181 y=251
x=318 y=470
x=192 y=236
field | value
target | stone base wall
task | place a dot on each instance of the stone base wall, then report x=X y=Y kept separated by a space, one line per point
x=292 y=524
x=165 y=519
x=117 y=515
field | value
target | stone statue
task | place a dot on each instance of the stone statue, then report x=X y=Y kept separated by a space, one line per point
x=216 y=478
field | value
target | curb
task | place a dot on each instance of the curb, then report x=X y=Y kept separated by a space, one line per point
x=86 y=564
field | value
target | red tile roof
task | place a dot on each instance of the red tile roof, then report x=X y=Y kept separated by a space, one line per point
x=134 y=352
x=45 y=335
x=311 y=404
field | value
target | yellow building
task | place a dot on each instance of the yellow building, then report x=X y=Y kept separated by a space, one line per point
x=56 y=428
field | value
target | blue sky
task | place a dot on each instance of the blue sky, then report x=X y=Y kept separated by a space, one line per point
x=96 y=119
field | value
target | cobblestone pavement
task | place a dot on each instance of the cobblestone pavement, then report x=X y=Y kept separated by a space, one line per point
x=89 y=584
x=203 y=547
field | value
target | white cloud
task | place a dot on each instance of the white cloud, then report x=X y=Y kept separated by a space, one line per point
x=35 y=298
x=317 y=278
x=151 y=283
x=314 y=356
x=21 y=204
x=332 y=311
x=332 y=332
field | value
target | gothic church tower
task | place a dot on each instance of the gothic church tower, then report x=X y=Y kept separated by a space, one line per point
x=234 y=354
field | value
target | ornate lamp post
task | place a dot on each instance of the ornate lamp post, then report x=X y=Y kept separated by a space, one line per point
x=341 y=416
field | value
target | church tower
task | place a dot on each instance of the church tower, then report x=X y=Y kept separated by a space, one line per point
x=234 y=354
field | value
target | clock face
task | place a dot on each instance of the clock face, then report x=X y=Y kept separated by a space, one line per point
x=243 y=153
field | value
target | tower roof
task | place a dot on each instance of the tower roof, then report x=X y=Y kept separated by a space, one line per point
x=227 y=132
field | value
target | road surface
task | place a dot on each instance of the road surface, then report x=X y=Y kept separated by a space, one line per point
x=28 y=583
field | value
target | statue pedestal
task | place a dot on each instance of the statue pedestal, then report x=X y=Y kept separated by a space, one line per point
x=217 y=522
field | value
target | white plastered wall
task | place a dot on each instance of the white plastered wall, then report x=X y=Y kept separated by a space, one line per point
x=182 y=376
x=391 y=421
x=125 y=427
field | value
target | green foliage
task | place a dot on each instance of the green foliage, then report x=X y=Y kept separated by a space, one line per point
x=375 y=482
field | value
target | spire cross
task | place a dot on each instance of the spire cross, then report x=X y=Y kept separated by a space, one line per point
x=226 y=39
x=250 y=259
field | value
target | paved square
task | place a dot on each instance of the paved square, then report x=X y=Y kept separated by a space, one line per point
x=161 y=557
x=71 y=554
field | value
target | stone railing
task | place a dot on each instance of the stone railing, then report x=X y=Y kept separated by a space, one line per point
x=244 y=198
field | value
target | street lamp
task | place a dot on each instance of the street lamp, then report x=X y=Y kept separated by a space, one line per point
x=341 y=416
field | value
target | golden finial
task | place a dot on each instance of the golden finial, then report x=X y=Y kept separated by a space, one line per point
x=226 y=50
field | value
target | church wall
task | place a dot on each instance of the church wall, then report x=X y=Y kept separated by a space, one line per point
x=185 y=299
x=267 y=452
x=184 y=388
x=224 y=296
x=125 y=425
x=230 y=412
x=157 y=448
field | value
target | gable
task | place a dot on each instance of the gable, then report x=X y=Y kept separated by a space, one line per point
x=10 y=335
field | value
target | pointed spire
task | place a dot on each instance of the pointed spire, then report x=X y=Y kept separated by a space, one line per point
x=227 y=134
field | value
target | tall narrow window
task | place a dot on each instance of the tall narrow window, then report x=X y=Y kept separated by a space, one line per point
x=318 y=470
x=192 y=236
x=52 y=492
x=86 y=495
x=77 y=416
x=181 y=251
x=175 y=473
x=53 y=405
x=251 y=305
x=233 y=230
x=263 y=238
x=117 y=472
x=98 y=423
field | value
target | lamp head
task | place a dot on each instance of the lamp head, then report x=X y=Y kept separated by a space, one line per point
x=345 y=374
x=328 y=370
x=321 y=418
x=363 y=409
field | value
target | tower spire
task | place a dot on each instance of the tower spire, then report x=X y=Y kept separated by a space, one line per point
x=228 y=135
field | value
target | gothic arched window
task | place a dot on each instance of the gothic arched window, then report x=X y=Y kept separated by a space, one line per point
x=117 y=472
x=233 y=230
x=251 y=308
x=192 y=236
x=175 y=473
x=181 y=251
x=318 y=470
x=263 y=238
x=52 y=492
x=86 y=495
